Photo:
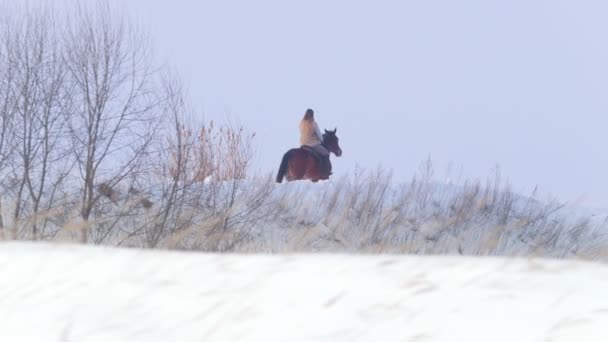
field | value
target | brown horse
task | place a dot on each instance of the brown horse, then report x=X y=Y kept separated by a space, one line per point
x=304 y=163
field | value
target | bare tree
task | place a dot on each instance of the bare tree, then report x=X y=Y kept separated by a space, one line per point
x=112 y=100
x=179 y=168
x=81 y=103
x=39 y=164
x=7 y=77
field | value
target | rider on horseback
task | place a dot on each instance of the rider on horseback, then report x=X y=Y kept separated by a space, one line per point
x=311 y=160
x=310 y=136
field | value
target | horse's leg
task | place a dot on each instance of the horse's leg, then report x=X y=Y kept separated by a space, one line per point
x=297 y=166
x=313 y=171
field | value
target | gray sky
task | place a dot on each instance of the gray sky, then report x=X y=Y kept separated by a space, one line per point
x=519 y=83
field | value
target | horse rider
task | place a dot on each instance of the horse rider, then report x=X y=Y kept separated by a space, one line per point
x=310 y=136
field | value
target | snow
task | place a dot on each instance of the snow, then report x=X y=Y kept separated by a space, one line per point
x=57 y=292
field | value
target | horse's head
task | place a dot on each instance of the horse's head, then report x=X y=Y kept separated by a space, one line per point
x=330 y=141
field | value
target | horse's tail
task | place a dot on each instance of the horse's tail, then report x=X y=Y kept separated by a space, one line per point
x=283 y=167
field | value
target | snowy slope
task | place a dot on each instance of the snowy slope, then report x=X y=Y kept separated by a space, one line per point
x=76 y=293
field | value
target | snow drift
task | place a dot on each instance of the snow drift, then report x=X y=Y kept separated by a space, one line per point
x=54 y=292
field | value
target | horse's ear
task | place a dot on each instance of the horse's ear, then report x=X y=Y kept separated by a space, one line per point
x=326 y=131
x=335 y=129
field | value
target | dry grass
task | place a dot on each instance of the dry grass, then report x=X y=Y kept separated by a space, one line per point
x=365 y=212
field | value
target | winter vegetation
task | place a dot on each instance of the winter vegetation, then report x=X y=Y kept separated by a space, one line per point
x=99 y=145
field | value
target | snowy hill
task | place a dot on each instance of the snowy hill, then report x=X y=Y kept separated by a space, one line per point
x=363 y=213
x=53 y=292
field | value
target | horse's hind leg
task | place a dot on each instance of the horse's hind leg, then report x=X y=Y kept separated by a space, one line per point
x=297 y=169
x=312 y=171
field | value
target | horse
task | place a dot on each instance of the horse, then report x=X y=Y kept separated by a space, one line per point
x=304 y=163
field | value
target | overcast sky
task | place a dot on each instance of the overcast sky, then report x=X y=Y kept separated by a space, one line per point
x=519 y=83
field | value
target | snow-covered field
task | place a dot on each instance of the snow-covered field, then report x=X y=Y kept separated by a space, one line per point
x=55 y=292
